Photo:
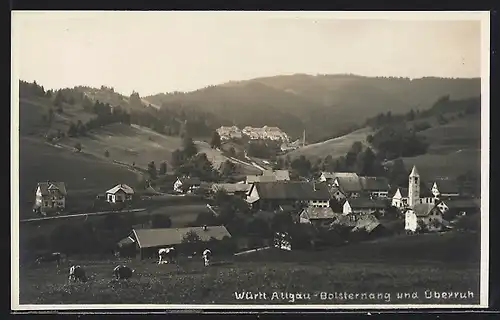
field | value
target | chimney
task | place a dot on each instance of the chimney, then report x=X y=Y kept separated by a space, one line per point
x=314 y=186
x=205 y=228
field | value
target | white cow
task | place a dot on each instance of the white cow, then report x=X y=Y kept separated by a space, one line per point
x=207 y=256
x=166 y=254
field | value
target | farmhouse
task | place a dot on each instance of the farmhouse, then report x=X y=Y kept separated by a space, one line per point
x=50 y=196
x=375 y=187
x=186 y=184
x=445 y=188
x=330 y=177
x=317 y=216
x=400 y=198
x=238 y=189
x=456 y=207
x=272 y=195
x=349 y=184
x=359 y=207
x=427 y=215
x=144 y=243
x=119 y=193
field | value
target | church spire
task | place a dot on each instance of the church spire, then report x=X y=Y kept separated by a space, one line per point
x=414 y=172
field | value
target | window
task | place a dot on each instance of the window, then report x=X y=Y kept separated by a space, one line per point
x=416 y=180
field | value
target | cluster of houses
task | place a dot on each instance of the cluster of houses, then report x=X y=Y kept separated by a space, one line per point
x=344 y=198
x=264 y=133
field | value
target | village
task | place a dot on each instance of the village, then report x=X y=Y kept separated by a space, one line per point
x=334 y=209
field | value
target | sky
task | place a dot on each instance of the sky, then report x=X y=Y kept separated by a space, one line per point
x=153 y=52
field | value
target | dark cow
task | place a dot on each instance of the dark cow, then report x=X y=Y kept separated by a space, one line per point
x=77 y=273
x=51 y=257
x=123 y=272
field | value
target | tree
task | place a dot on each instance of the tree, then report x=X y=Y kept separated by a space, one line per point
x=216 y=141
x=421 y=226
x=106 y=154
x=78 y=146
x=163 y=168
x=72 y=131
x=152 y=170
x=228 y=168
x=191 y=237
x=356 y=147
x=369 y=138
x=189 y=148
x=161 y=221
x=398 y=175
x=177 y=158
x=221 y=197
x=366 y=164
x=411 y=115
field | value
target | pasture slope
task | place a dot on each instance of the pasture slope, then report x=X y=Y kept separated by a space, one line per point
x=437 y=262
x=336 y=147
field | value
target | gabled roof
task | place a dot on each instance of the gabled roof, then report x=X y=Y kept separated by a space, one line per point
x=318 y=213
x=368 y=223
x=187 y=181
x=148 y=238
x=263 y=178
x=49 y=185
x=375 y=183
x=292 y=190
x=366 y=203
x=125 y=188
x=446 y=186
x=403 y=192
x=423 y=209
x=232 y=187
x=462 y=203
x=333 y=175
x=282 y=175
x=350 y=184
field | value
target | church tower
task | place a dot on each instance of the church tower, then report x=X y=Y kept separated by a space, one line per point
x=414 y=187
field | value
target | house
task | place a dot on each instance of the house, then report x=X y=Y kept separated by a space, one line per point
x=144 y=243
x=317 y=216
x=330 y=177
x=425 y=214
x=271 y=195
x=400 y=198
x=336 y=194
x=359 y=207
x=119 y=193
x=349 y=184
x=375 y=187
x=456 y=207
x=269 y=176
x=238 y=189
x=445 y=188
x=186 y=184
x=50 y=196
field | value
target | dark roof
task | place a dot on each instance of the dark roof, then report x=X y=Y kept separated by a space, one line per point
x=350 y=184
x=292 y=190
x=260 y=178
x=403 y=191
x=463 y=203
x=374 y=183
x=425 y=191
x=232 y=187
x=423 y=209
x=319 y=213
x=446 y=186
x=148 y=238
x=45 y=186
x=365 y=203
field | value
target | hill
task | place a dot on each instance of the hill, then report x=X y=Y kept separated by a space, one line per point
x=449 y=262
x=324 y=105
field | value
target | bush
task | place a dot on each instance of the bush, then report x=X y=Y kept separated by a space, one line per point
x=468 y=223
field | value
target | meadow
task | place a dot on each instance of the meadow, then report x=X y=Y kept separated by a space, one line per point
x=415 y=264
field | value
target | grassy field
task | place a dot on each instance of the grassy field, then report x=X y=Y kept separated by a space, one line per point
x=85 y=176
x=411 y=264
x=335 y=147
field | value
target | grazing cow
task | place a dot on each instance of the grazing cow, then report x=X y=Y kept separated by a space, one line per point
x=50 y=257
x=207 y=256
x=77 y=273
x=122 y=272
x=167 y=255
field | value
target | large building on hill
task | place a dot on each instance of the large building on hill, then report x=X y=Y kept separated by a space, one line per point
x=353 y=186
x=264 y=133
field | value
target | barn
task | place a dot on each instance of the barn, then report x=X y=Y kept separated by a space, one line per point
x=144 y=243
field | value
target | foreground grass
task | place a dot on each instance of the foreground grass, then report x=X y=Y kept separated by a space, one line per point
x=315 y=272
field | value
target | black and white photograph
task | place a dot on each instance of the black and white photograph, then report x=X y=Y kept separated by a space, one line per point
x=249 y=160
